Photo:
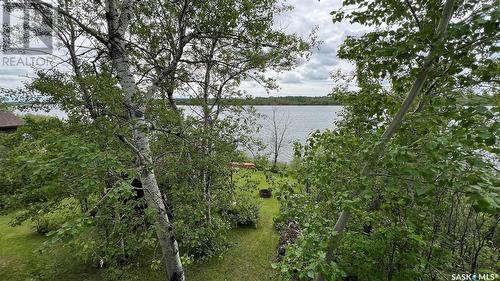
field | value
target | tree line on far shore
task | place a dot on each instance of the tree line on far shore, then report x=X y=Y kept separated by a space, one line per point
x=285 y=100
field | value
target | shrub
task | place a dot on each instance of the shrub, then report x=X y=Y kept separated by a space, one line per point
x=243 y=211
x=52 y=221
x=204 y=240
x=262 y=162
x=45 y=225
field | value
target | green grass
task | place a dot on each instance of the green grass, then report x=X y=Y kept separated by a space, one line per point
x=251 y=255
x=20 y=258
x=248 y=258
x=16 y=248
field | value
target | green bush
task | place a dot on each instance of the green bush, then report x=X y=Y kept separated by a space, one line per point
x=51 y=221
x=243 y=211
x=205 y=240
x=262 y=162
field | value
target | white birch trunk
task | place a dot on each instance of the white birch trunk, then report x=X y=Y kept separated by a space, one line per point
x=136 y=105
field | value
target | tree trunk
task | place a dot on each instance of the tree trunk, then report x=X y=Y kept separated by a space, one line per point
x=136 y=106
x=118 y=15
x=415 y=90
x=276 y=142
x=154 y=200
x=164 y=229
x=141 y=141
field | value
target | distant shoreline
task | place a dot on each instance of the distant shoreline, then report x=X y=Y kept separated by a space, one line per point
x=286 y=100
x=261 y=101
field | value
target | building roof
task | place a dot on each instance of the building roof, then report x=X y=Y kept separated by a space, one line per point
x=9 y=121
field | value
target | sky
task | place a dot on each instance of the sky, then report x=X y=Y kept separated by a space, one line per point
x=312 y=78
x=309 y=78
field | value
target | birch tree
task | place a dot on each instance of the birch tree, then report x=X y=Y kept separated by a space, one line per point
x=151 y=49
x=240 y=44
x=116 y=15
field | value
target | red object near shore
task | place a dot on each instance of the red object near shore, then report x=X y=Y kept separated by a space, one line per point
x=242 y=165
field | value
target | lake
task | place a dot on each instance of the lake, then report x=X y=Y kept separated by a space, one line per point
x=301 y=121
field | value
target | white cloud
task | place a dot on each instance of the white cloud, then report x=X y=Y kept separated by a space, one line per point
x=290 y=77
x=314 y=74
x=311 y=88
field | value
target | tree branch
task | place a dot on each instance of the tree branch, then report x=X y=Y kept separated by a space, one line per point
x=415 y=90
x=417 y=21
x=93 y=33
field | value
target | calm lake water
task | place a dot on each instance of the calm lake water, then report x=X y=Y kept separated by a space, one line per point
x=300 y=121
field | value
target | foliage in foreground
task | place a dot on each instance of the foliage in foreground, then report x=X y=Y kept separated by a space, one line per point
x=123 y=127
x=429 y=207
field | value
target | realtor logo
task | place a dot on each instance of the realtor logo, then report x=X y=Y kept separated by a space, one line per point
x=26 y=28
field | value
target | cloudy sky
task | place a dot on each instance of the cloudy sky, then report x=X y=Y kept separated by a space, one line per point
x=310 y=78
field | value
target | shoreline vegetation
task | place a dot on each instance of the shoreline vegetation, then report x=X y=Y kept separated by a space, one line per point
x=283 y=100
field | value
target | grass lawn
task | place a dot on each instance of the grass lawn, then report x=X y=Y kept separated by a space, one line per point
x=251 y=256
x=248 y=259
x=21 y=260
